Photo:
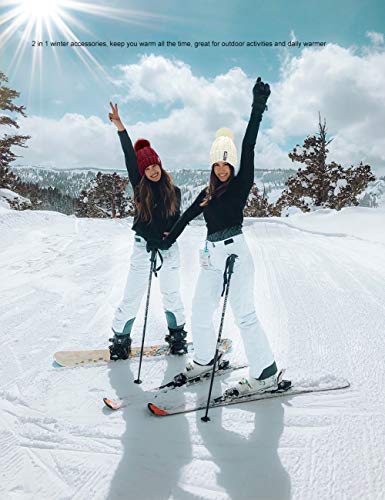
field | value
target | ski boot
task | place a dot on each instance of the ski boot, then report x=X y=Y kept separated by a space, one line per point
x=120 y=347
x=176 y=339
x=195 y=370
x=266 y=382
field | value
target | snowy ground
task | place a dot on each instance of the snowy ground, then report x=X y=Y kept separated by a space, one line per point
x=320 y=295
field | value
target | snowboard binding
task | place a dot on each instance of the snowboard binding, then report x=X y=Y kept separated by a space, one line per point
x=120 y=347
x=176 y=339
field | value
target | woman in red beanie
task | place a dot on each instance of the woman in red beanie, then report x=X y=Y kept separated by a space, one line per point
x=157 y=203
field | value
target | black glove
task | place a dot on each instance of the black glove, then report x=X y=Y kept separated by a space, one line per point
x=261 y=92
x=152 y=245
x=165 y=244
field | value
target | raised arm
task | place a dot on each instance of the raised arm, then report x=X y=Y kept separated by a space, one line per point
x=125 y=141
x=245 y=177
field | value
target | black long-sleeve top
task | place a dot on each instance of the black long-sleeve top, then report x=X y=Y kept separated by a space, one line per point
x=150 y=231
x=226 y=211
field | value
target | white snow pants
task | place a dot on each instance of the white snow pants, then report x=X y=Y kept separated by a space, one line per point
x=137 y=283
x=241 y=298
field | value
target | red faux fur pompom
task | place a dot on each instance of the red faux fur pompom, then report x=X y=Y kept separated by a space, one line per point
x=141 y=143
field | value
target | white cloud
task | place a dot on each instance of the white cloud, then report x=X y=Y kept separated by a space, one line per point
x=156 y=79
x=347 y=87
x=73 y=141
x=182 y=138
x=349 y=91
x=375 y=38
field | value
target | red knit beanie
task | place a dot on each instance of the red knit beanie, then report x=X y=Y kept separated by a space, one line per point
x=145 y=155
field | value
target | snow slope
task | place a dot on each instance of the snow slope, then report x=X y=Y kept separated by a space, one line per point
x=320 y=295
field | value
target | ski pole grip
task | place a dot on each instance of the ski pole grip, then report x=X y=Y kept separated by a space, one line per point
x=229 y=269
x=230 y=261
x=153 y=254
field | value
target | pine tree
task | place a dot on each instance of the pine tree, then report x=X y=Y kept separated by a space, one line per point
x=258 y=205
x=7 y=142
x=86 y=206
x=322 y=184
x=353 y=182
x=106 y=198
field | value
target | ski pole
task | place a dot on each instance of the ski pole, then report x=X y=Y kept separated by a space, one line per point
x=154 y=270
x=229 y=269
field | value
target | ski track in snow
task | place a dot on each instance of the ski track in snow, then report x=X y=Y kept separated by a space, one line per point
x=320 y=297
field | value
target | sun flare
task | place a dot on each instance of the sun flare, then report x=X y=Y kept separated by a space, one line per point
x=41 y=9
x=38 y=22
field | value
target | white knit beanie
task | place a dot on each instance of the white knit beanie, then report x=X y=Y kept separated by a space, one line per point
x=223 y=149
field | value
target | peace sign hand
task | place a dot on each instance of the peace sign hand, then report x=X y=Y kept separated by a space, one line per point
x=114 y=117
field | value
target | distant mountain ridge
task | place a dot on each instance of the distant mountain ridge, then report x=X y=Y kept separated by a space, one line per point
x=191 y=182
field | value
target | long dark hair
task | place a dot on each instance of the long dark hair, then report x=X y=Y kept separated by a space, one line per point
x=216 y=188
x=144 y=197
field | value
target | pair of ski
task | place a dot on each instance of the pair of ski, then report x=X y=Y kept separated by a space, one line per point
x=164 y=408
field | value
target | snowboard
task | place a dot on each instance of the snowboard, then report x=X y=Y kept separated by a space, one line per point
x=99 y=356
x=285 y=388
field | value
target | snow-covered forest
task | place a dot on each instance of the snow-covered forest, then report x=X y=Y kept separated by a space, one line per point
x=191 y=182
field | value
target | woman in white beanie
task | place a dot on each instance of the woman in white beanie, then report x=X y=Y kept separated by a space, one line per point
x=222 y=204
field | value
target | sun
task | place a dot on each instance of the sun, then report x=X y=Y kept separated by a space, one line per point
x=41 y=9
x=37 y=22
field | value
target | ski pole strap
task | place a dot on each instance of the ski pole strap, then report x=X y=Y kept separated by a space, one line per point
x=154 y=254
x=161 y=262
x=229 y=269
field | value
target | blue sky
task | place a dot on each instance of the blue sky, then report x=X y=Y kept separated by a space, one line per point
x=63 y=89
